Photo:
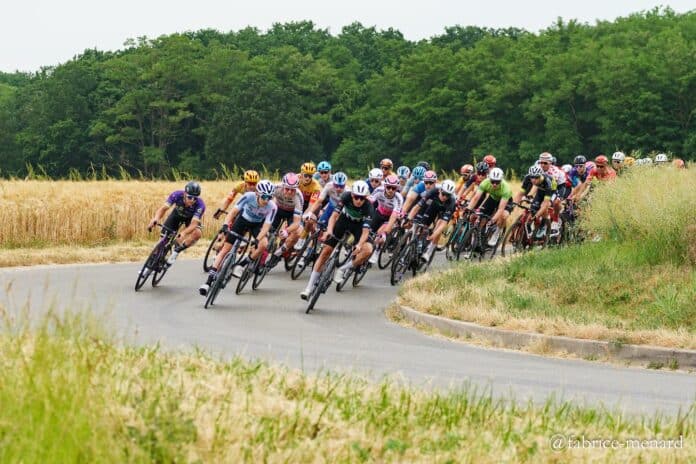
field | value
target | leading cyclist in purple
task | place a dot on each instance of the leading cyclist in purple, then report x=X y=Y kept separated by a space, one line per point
x=188 y=210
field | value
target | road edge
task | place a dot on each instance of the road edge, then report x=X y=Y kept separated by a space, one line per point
x=652 y=356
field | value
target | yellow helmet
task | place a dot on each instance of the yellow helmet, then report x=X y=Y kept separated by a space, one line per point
x=251 y=176
x=308 y=168
x=629 y=161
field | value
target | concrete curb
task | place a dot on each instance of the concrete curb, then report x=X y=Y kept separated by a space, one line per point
x=581 y=348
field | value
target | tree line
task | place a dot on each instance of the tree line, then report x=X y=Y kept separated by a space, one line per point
x=193 y=102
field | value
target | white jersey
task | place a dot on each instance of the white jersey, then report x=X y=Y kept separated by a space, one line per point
x=329 y=191
x=294 y=203
x=386 y=206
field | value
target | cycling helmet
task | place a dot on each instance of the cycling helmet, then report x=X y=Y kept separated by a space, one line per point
x=490 y=159
x=290 y=180
x=466 y=169
x=553 y=160
x=391 y=180
x=618 y=156
x=375 y=173
x=590 y=165
x=324 y=166
x=482 y=168
x=567 y=168
x=579 y=160
x=535 y=171
x=601 y=160
x=548 y=157
x=251 y=176
x=430 y=176
x=265 y=187
x=448 y=187
x=360 y=189
x=308 y=168
x=193 y=188
x=425 y=164
x=403 y=172
x=661 y=158
x=496 y=174
x=340 y=178
x=679 y=163
x=418 y=172
x=386 y=163
x=629 y=161
x=647 y=160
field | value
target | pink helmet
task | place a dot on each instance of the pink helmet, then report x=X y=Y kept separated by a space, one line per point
x=430 y=176
x=290 y=180
x=392 y=180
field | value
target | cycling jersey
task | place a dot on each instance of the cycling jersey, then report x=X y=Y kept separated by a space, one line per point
x=410 y=183
x=502 y=192
x=370 y=186
x=238 y=189
x=474 y=179
x=431 y=207
x=329 y=191
x=292 y=203
x=608 y=174
x=196 y=210
x=557 y=174
x=252 y=212
x=320 y=179
x=421 y=190
x=545 y=190
x=362 y=213
x=309 y=192
x=386 y=206
x=576 y=178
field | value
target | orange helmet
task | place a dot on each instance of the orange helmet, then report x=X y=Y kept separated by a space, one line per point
x=386 y=163
x=490 y=159
x=308 y=168
x=601 y=160
x=466 y=169
x=679 y=163
x=251 y=176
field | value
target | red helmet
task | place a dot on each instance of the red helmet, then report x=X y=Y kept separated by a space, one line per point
x=490 y=159
x=601 y=160
x=466 y=169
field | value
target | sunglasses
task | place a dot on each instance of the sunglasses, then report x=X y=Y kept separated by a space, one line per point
x=429 y=182
x=579 y=165
x=616 y=161
x=445 y=194
x=307 y=176
x=601 y=166
x=375 y=180
x=385 y=168
x=495 y=182
x=266 y=196
x=358 y=198
x=544 y=162
x=390 y=188
x=190 y=197
x=323 y=172
x=251 y=184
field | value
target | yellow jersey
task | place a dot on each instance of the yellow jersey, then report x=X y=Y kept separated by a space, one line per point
x=310 y=191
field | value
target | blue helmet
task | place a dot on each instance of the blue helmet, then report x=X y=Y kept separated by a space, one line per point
x=403 y=172
x=340 y=178
x=324 y=166
x=418 y=172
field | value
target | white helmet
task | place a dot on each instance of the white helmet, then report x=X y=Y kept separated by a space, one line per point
x=375 y=173
x=448 y=187
x=496 y=174
x=661 y=158
x=567 y=168
x=535 y=171
x=647 y=160
x=265 y=187
x=360 y=189
x=618 y=156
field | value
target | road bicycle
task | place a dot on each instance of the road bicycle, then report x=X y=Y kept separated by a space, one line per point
x=476 y=240
x=327 y=273
x=224 y=274
x=409 y=255
x=523 y=234
x=156 y=263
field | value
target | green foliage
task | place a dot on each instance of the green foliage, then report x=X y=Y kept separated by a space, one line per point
x=194 y=100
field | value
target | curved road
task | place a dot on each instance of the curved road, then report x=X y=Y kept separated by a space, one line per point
x=346 y=332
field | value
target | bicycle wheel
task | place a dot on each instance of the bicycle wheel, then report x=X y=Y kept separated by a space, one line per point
x=360 y=273
x=246 y=275
x=344 y=254
x=305 y=258
x=386 y=253
x=401 y=263
x=221 y=280
x=467 y=245
x=492 y=250
x=210 y=254
x=322 y=283
x=513 y=241
x=148 y=267
x=161 y=267
x=346 y=277
x=260 y=274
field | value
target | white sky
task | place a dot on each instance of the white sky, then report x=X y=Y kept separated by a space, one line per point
x=35 y=33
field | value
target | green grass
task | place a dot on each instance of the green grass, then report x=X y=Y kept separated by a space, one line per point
x=70 y=393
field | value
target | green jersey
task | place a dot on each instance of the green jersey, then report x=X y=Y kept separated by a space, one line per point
x=502 y=192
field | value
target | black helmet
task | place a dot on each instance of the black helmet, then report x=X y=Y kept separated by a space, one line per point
x=580 y=160
x=482 y=167
x=425 y=164
x=193 y=188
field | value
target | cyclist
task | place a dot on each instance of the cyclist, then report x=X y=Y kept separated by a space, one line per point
x=388 y=203
x=188 y=210
x=353 y=214
x=469 y=186
x=403 y=172
x=497 y=203
x=289 y=201
x=437 y=205
x=617 y=161
x=490 y=161
x=545 y=194
x=328 y=199
x=420 y=190
x=416 y=177
x=601 y=172
x=251 y=178
x=309 y=187
x=387 y=167
x=578 y=174
x=374 y=179
x=547 y=163
x=323 y=174
x=465 y=172
x=253 y=213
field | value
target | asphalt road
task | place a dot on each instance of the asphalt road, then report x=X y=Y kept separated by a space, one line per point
x=346 y=332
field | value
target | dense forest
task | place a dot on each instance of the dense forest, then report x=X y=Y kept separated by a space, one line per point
x=192 y=102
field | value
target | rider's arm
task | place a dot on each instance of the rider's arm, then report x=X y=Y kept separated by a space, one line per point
x=332 y=222
x=229 y=219
x=410 y=199
x=475 y=199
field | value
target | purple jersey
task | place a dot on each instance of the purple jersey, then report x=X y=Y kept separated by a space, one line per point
x=577 y=178
x=196 y=210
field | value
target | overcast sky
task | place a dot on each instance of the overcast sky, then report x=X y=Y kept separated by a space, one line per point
x=35 y=33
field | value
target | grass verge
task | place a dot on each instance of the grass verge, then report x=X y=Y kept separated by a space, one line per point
x=77 y=395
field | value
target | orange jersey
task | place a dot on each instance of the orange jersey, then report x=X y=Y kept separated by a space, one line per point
x=310 y=192
x=238 y=189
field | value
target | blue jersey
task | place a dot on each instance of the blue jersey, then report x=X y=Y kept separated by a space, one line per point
x=196 y=210
x=409 y=185
x=252 y=212
x=577 y=178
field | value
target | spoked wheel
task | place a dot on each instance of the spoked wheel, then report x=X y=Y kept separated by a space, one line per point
x=211 y=252
x=400 y=264
x=360 y=273
x=221 y=280
x=305 y=258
